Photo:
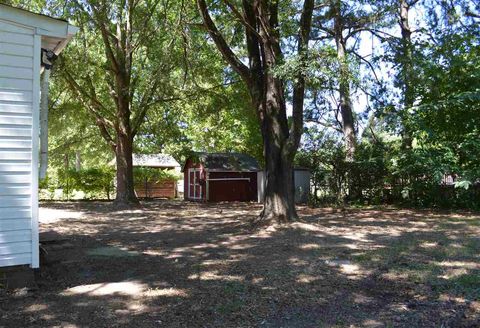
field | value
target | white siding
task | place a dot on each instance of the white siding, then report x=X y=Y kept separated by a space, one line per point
x=17 y=72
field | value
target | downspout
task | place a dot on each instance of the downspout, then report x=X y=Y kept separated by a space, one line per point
x=44 y=124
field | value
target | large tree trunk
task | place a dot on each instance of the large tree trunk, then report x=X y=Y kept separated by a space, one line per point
x=407 y=73
x=123 y=155
x=348 y=122
x=346 y=111
x=279 y=201
x=261 y=22
x=124 y=150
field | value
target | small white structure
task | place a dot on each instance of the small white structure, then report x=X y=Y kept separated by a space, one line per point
x=302 y=185
x=24 y=36
x=164 y=161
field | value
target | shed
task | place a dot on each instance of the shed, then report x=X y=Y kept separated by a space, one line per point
x=301 y=179
x=25 y=38
x=221 y=177
x=152 y=188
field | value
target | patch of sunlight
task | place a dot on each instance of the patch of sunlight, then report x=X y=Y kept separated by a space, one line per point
x=307 y=227
x=127 y=288
x=453 y=273
x=166 y=292
x=306 y=278
x=352 y=246
x=136 y=307
x=242 y=247
x=359 y=298
x=36 y=307
x=154 y=253
x=357 y=236
x=345 y=266
x=372 y=323
x=69 y=325
x=213 y=275
x=52 y=215
x=418 y=223
x=399 y=307
x=309 y=246
x=459 y=264
x=394 y=275
x=258 y=280
x=201 y=246
x=448 y=297
x=137 y=211
x=138 y=218
x=429 y=245
x=111 y=251
x=351 y=269
x=298 y=262
x=420 y=275
x=266 y=232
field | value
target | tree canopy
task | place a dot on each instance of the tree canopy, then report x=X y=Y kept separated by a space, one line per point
x=381 y=98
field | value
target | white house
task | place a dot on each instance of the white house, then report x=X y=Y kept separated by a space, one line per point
x=25 y=39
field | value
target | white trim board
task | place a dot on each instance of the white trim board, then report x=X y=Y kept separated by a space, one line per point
x=194 y=184
x=229 y=179
x=35 y=146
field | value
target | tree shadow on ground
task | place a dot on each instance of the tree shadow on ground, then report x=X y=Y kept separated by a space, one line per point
x=180 y=264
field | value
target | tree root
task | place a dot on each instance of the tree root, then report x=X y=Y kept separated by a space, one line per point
x=268 y=219
x=126 y=204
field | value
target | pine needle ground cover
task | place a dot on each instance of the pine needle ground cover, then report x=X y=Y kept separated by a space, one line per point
x=180 y=264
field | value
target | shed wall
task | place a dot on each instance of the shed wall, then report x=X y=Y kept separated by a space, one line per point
x=152 y=189
x=18 y=48
x=302 y=186
x=232 y=186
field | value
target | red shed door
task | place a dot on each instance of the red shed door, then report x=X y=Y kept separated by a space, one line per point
x=226 y=189
x=194 y=186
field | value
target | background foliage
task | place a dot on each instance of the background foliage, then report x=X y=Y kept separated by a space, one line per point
x=203 y=107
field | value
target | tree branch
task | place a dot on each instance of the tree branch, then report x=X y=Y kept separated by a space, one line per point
x=222 y=45
x=102 y=123
x=299 y=87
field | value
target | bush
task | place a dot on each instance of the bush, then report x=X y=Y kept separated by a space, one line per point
x=156 y=175
x=94 y=182
x=385 y=173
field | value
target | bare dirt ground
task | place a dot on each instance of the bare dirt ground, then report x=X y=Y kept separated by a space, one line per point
x=178 y=264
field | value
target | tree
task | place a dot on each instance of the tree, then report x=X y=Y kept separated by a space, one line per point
x=125 y=71
x=406 y=61
x=260 y=21
x=343 y=22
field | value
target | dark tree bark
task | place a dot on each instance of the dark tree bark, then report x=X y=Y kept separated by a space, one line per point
x=267 y=92
x=346 y=111
x=407 y=72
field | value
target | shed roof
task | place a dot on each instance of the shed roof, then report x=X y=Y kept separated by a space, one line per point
x=154 y=160
x=235 y=162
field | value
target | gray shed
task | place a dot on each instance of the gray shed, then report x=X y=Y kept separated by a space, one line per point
x=302 y=185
